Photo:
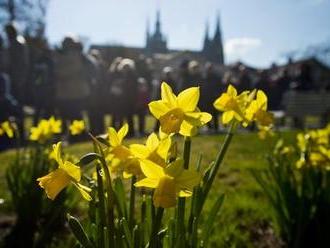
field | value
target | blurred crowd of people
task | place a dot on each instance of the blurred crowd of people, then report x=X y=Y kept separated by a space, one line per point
x=67 y=81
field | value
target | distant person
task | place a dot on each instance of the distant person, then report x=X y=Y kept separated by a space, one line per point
x=195 y=77
x=142 y=100
x=115 y=93
x=72 y=80
x=18 y=62
x=244 y=80
x=9 y=110
x=183 y=75
x=130 y=89
x=97 y=104
x=42 y=81
x=211 y=88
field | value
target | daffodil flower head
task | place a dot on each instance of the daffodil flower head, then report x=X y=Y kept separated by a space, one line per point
x=77 y=127
x=179 y=114
x=117 y=149
x=169 y=182
x=65 y=174
x=7 y=128
x=155 y=149
x=119 y=156
x=232 y=105
x=257 y=110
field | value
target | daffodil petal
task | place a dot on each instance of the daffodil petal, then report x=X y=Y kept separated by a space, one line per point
x=158 y=108
x=122 y=132
x=185 y=193
x=83 y=191
x=57 y=153
x=231 y=90
x=147 y=182
x=72 y=170
x=165 y=193
x=167 y=94
x=139 y=151
x=175 y=168
x=187 y=129
x=54 y=182
x=188 y=179
x=151 y=170
x=152 y=141
x=227 y=117
x=188 y=99
x=113 y=137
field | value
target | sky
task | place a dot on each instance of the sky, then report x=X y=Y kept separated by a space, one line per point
x=257 y=32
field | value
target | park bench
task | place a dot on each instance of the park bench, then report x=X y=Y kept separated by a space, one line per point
x=298 y=105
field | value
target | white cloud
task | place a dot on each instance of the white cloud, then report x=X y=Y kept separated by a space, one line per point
x=235 y=48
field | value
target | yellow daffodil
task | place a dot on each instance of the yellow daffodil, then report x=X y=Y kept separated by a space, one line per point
x=179 y=114
x=257 y=110
x=45 y=130
x=119 y=156
x=232 y=105
x=67 y=173
x=169 y=182
x=7 y=128
x=265 y=132
x=77 y=127
x=155 y=150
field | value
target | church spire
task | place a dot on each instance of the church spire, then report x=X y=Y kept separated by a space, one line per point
x=158 y=25
x=217 y=41
x=147 y=32
x=206 y=37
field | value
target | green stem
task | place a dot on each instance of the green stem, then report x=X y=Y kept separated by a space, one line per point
x=101 y=208
x=182 y=202
x=132 y=204
x=110 y=201
x=217 y=163
x=155 y=228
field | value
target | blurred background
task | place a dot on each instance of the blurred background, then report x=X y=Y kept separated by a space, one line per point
x=81 y=59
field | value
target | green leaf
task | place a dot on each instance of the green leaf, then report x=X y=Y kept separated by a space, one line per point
x=120 y=197
x=88 y=158
x=127 y=233
x=78 y=231
x=210 y=220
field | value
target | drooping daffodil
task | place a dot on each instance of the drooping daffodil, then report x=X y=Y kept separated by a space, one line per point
x=232 y=105
x=67 y=173
x=257 y=110
x=179 y=114
x=169 y=182
x=77 y=127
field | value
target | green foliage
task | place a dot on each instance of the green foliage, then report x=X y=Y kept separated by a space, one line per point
x=35 y=216
x=300 y=198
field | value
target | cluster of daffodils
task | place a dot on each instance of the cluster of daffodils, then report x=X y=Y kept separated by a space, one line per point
x=48 y=128
x=155 y=164
x=155 y=167
x=314 y=148
x=244 y=108
x=45 y=130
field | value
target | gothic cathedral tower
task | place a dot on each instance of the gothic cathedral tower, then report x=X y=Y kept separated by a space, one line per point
x=213 y=48
x=156 y=42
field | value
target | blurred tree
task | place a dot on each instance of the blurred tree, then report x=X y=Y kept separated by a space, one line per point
x=29 y=14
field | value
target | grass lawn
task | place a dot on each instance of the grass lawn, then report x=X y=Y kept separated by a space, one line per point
x=245 y=219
